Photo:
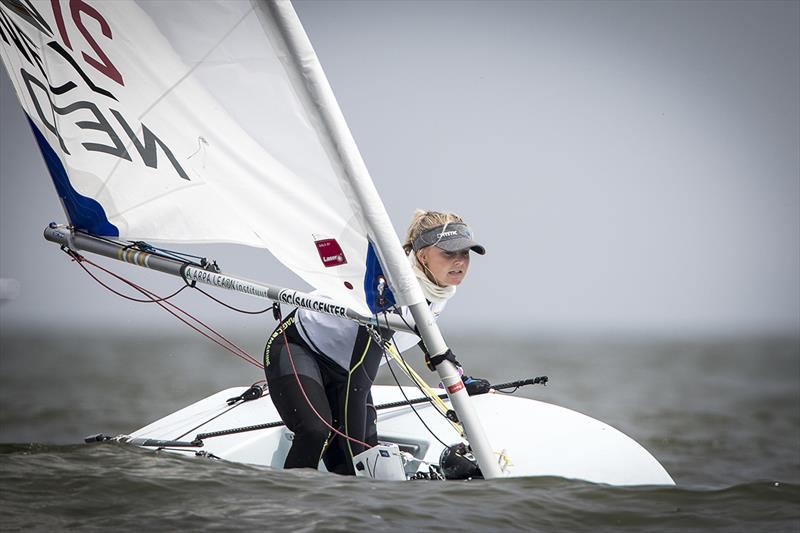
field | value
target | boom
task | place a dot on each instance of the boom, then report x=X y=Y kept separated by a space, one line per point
x=191 y=272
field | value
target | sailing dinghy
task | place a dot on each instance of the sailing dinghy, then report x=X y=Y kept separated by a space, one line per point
x=195 y=122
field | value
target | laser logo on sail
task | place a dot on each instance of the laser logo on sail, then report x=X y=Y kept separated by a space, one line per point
x=330 y=252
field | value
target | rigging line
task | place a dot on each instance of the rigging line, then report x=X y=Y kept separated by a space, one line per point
x=125 y=296
x=242 y=354
x=416 y=379
x=386 y=356
x=423 y=387
x=163 y=252
x=434 y=435
x=405 y=322
x=402 y=360
x=237 y=351
x=201 y=424
x=146 y=247
x=409 y=371
x=308 y=401
x=270 y=308
x=432 y=397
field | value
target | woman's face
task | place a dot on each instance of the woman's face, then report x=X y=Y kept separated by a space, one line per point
x=444 y=268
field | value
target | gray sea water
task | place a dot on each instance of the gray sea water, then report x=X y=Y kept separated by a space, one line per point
x=722 y=415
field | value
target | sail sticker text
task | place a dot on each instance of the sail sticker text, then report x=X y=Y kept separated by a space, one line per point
x=292 y=298
x=226 y=282
x=34 y=81
x=330 y=252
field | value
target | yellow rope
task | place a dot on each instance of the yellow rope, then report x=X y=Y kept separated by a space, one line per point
x=438 y=403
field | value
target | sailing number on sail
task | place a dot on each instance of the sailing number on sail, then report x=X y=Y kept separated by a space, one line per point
x=39 y=86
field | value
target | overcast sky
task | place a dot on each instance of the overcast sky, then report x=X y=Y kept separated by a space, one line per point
x=630 y=167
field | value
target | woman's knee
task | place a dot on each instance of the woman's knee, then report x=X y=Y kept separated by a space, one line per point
x=312 y=432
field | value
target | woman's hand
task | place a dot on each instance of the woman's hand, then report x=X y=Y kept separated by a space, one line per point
x=476 y=386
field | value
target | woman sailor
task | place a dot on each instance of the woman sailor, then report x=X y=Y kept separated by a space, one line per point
x=335 y=360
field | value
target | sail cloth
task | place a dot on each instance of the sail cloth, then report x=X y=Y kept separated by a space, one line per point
x=200 y=122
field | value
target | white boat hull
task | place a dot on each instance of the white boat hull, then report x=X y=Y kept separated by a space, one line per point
x=537 y=438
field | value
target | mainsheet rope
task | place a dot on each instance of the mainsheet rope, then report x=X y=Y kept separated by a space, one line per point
x=221 y=340
x=231 y=346
x=236 y=350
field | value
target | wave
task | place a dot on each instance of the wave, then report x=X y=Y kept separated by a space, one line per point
x=97 y=486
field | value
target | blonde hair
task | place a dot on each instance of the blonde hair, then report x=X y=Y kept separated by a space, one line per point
x=425 y=220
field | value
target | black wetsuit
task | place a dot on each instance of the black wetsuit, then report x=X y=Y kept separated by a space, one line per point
x=340 y=396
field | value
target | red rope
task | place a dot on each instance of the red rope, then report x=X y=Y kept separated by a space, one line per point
x=239 y=352
x=154 y=298
x=308 y=401
x=150 y=300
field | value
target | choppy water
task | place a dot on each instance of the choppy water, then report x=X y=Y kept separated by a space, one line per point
x=722 y=416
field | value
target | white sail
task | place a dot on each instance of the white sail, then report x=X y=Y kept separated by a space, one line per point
x=212 y=122
x=188 y=122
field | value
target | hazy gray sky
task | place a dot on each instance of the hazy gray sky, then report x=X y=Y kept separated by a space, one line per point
x=628 y=166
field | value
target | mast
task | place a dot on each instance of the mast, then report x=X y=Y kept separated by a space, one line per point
x=284 y=28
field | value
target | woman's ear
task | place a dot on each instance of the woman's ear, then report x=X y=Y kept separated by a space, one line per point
x=421 y=257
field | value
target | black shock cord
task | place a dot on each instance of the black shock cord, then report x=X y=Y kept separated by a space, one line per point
x=402 y=359
x=232 y=308
x=388 y=362
x=79 y=258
